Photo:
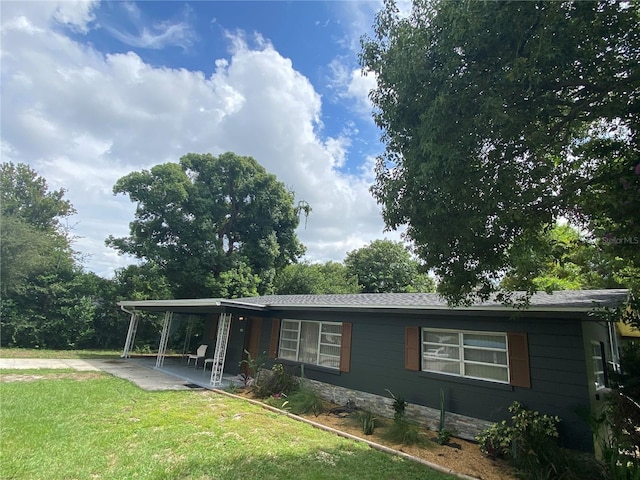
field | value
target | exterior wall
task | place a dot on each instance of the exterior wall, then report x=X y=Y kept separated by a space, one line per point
x=235 y=347
x=597 y=332
x=559 y=381
x=463 y=426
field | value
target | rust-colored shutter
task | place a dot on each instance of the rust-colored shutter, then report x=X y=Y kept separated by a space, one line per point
x=275 y=335
x=254 y=326
x=519 y=359
x=412 y=348
x=345 y=348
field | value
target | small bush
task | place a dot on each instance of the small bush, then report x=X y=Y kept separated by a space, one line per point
x=530 y=443
x=443 y=436
x=279 y=381
x=304 y=401
x=404 y=432
x=367 y=421
x=399 y=406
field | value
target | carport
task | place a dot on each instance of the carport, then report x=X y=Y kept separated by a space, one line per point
x=225 y=311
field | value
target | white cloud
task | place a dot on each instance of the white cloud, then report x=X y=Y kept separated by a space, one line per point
x=76 y=14
x=351 y=85
x=155 y=36
x=82 y=119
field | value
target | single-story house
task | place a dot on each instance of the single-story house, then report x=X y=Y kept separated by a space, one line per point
x=552 y=356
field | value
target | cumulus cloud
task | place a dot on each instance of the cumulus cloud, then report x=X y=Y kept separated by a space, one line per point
x=83 y=118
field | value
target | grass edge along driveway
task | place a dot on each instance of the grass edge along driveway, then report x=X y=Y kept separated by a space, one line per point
x=103 y=427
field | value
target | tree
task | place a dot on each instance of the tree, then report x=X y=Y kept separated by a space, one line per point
x=499 y=118
x=569 y=261
x=315 y=279
x=46 y=299
x=387 y=266
x=25 y=195
x=209 y=215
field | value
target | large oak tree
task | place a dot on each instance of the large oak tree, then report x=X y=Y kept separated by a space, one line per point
x=207 y=221
x=499 y=118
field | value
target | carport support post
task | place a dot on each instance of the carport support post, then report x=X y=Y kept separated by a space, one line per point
x=164 y=339
x=131 y=335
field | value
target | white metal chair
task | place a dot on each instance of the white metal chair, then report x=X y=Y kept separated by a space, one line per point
x=207 y=361
x=200 y=353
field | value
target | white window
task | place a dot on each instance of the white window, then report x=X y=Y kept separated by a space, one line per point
x=598 y=365
x=316 y=343
x=466 y=354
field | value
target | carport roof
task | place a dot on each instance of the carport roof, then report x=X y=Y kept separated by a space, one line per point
x=560 y=301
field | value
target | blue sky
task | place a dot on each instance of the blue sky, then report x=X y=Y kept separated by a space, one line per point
x=94 y=90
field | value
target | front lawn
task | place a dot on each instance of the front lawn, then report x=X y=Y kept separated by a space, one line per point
x=101 y=427
x=38 y=353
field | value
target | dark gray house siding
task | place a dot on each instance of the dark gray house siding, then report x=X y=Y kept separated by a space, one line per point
x=551 y=370
x=558 y=370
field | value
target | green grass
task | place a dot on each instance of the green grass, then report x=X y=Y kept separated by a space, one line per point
x=106 y=428
x=38 y=371
x=38 y=353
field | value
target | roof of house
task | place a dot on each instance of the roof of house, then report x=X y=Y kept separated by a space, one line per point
x=565 y=300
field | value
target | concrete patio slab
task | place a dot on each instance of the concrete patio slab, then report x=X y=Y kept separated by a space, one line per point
x=139 y=371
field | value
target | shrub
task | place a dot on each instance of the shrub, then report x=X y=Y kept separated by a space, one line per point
x=530 y=443
x=399 y=406
x=367 y=421
x=304 y=401
x=280 y=381
x=616 y=433
x=402 y=431
x=254 y=367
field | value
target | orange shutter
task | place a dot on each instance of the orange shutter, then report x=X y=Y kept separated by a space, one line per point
x=275 y=335
x=519 y=360
x=345 y=348
x=412 y=348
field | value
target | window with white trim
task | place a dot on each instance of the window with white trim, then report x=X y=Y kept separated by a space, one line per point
x=598 y=365
x=478 y=355
x=315 y=343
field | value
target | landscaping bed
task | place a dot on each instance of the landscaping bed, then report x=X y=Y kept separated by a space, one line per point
x=457 y=455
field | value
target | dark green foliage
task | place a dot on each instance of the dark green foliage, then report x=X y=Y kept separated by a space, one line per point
x=443 y=434
x=385 y=266
x=529 y=441
x=254 y=367
x=367 y=421
x=307 y=278
x=615 y=428
x=217 y=226
x=615 y=431
x=399 y=405
x=401 y=430
x=498 y=119
x=280 y=381
x=25 y=195
x=562 y=258
x=629 y=378
x=46 y=299
x=303 y=401
x=404 y=432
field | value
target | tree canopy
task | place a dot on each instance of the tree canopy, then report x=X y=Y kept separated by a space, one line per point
x=206 y=217
x=316 y=279
x=499 y=118
x=385 y=266
x=25 y=195
x=570 y=261
x=45 y=299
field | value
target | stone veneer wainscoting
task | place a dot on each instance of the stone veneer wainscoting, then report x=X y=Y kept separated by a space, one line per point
x=461 y=425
